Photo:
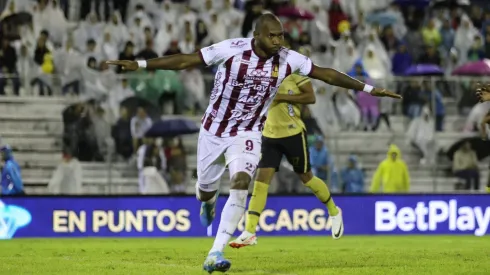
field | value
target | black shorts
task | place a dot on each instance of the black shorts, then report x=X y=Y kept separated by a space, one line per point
x=295 y=148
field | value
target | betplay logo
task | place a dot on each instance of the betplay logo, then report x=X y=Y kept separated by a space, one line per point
x=436 y=216
x=12 y=217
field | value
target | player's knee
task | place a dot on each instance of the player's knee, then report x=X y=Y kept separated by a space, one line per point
x=306 y=177
x=205 y=196
x=240 y=181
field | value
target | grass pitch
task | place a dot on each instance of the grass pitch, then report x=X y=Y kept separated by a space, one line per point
x=275 y=256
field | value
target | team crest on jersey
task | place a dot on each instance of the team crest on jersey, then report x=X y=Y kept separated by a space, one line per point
x=275 y=71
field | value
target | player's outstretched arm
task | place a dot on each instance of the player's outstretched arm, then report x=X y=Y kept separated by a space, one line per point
x=307 y=95
x=172 y=62
x=336 y=78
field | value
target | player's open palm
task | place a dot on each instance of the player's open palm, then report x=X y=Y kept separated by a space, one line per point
x=126 y=65
x=385 y=93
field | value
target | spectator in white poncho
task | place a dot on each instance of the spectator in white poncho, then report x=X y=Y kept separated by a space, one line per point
x=232 y=18
x=68 y=63
x=375 y=66
x=164 y=37
x=151 y=159
x=421 y=134
x=88 y=29
x=67 y=178
x=194 y=83
x=166 y=14
x=119 y=32
x=464 y=37
x=346 y=56
x=117 y=95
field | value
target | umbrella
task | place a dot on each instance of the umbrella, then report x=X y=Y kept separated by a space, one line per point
x=481 y=67
x=481 y=147
x=132 y=104
x=423 y=69
x=436 y=4
x=19 y=18
x=416 y=3
x=293 y=12
x=172 y=127
x=382 y=18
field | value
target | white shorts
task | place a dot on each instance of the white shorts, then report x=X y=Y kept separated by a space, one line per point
x=240 y=153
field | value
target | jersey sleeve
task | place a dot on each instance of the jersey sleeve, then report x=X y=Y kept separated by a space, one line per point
x=299 y=80
x=216 y=53
x=299 y=63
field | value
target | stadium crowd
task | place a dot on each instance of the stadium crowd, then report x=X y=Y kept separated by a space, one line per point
x=63 y=48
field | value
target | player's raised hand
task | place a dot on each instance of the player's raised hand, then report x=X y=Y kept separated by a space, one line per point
x=385 y=93
x=483 y=92
x=126 y=65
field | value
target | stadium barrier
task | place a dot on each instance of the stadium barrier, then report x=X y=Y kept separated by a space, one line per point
x=173 y=216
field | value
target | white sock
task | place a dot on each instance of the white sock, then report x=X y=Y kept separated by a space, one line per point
x=230 y=217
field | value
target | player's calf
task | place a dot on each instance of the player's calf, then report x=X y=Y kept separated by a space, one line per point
x=208 y=205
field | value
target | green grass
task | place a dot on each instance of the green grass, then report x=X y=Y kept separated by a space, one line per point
x=275 y=256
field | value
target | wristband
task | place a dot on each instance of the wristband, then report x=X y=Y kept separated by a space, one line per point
x=142 y=64
x=368 y=88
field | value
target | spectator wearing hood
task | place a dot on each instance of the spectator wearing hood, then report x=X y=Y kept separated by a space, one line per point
x=67 y=179
x=392 y=174
x=401 y=61
x=322 y=164
x=352 y=177
x=421 y=135
x=11 y=177
x=367 y=103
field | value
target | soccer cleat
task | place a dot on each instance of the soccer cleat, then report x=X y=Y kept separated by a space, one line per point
x=216 y=262
x=207 y=212
x=245 y=239
x=337 y=225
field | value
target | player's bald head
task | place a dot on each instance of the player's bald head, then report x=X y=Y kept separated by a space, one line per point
x=269 y=34
x=269 y=21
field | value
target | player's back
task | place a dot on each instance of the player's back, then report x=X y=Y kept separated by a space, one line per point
x=245 y=84
x=284 y=119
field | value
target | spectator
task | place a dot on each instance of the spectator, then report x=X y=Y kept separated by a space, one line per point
x=216 y=30
x=431 y=56
x=11 y=177
x=8 y=64
x=367 y=103
x=421 y=135
x=352 y=177
x=431 y=34
x=447 y=36
x=413 y=99
x=335 y=17
x=121 y=133
x=465 y=36
x=193 y=82
x=150 y=161
x=375 y=66
x=92 y=51
x=119 y=32
x=126 y=54
x=385 y=109
x=68 y=177
x=392 y=173
x=187 y=45
x=322 y=164
x=109 y=50
x=140 y=123
x=476 y=52
x=487 y=46
x=401 y=61
x=176 y=164
x=433 y=94
x=165 y=36
x=174 y=48
x=390 y=42
x=465 y=166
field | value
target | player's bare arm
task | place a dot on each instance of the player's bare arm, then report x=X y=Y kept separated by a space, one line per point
x=307 y=95
x=336 y=78
x=174 y=62
x=483 y=92
x=483 y=127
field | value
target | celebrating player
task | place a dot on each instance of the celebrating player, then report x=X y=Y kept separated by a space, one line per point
x=250 y=71
x=285 y=134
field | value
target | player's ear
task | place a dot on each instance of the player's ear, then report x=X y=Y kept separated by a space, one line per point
x=256 y=35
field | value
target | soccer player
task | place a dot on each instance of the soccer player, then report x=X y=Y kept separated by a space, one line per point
x=284 y=134
x=249 y=73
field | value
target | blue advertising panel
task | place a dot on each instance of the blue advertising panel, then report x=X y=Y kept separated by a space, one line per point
x=296 y=215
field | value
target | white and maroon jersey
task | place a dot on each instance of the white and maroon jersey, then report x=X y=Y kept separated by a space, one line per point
x=245 y=84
